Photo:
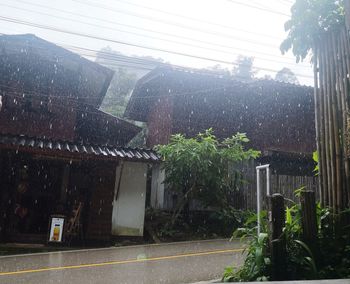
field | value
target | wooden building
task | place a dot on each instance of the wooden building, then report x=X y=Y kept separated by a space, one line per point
x=277 y=117
x=59 y=151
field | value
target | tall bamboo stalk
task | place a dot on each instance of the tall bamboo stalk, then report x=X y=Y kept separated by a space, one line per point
x=345 y=91
x=323 y=152
x=328 y=138
x=317 y=102
x=337 y=43
x=346 y=58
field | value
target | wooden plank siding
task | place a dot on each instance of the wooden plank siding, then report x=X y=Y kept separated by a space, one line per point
x=100 y=207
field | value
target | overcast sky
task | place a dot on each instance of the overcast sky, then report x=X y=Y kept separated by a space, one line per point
x=215 y=29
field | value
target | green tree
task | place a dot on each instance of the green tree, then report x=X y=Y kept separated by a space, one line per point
x=218 y=69
x=286 y=75
x=201 y=168
x=244 y=68
x=121 y=85
x=119 y=92
x=310 y=20
x=267 y=77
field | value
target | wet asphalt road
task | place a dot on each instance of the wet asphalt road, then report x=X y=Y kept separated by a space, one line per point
x=164 y=263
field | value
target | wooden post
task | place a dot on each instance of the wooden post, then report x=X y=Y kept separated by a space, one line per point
x=278 y=247
x=277 y=215
x=308 y=215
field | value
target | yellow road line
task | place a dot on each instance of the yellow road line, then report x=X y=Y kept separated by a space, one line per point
x=120 y=262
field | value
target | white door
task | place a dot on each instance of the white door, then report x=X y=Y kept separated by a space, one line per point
x=129 y=199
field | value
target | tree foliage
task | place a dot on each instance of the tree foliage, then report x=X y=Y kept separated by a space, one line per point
x=244 y=69
x=310 y=19
x=218 y=69
x=119 y=92
x=121 y=85
x=123 y=81
x=286 y=75
x=327 y=257
x=201 y=168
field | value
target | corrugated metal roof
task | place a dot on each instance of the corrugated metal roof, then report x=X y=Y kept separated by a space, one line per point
x=37 y=59
x=98 y=150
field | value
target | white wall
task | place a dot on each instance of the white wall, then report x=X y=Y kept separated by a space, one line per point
x=129 y=203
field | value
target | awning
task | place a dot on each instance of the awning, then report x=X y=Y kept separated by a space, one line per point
x=136 y=154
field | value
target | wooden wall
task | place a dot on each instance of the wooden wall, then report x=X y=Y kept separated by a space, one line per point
x=38 y=118
x=160 y=122
x=100 y=207
x=273 y=117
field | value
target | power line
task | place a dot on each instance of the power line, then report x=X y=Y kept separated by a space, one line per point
x=147 y=30
x=172 y=23
x=111 y=56
x=102 y=54
x=132 y=62
x=17 y=21
x=193 y=19
x=142 y=35
x=113 y=64
x=128 y=61
x=286 y=1
x=112 y=60
x=257 y=8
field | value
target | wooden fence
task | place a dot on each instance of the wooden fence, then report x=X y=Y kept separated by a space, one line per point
x=245 y=196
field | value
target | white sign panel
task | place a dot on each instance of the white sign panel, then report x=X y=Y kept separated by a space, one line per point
x=56 y=230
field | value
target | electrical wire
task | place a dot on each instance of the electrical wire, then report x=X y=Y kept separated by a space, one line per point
x=167 y=22
x=257 y=8
x=137 y=34
x=193 y=19
x=149 y=30
x=56 y=29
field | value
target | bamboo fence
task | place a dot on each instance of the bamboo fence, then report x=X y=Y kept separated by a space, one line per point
x=331 y=75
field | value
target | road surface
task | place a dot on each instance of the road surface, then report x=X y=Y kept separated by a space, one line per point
x=183 y=262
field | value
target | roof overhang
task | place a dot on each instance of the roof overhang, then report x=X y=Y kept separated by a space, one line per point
x=82 y=151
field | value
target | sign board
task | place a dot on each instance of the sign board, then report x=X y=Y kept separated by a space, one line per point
x=56 y=229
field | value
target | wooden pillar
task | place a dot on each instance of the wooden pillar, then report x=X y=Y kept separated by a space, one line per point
x=278 y=247
x=277 y=215
x=308 y=211
x=309 y=221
